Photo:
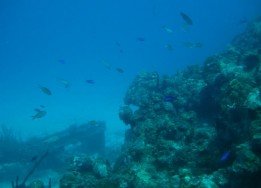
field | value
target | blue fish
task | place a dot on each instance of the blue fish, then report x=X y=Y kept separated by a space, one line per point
x=225 y=156
x=62 y=61
x=141 y=39
x=242 y=21
x=90 y=81
x=169 y=98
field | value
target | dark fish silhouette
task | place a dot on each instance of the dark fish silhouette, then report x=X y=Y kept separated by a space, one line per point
x=118 y=44
x=90 y=81
x=34 y=158
x=242 y=21
x=119 y=70
x=193 y=44
x=169 y=98
x=186 y=18
x=141 y=39
x=225 y=156
x=39 y=113
x=45 y=90
x=62 y=61
x=169 y=47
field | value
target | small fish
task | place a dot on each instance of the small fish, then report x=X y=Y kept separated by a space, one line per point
x=34 y=158
x=186 y=18
x=90 y=81
x=225 y=156
x=45 y=90
x=198 y=45
x=169 y=47
x=242 y=21
x=141 y=39
x=42 y=106
x=39 y=114
x=118 y=44
x=193 y=44
x=64 y=82
x=93 y=123
x=169 y=98
x=51 y=140
x=106 y=65
x=119 y=70
x=167 y=29
x=62 y=61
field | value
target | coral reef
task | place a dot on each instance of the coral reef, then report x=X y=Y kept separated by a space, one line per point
x=86 y=171
x=198 y=128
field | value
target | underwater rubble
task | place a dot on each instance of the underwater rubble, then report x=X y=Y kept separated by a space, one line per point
x=198 y=128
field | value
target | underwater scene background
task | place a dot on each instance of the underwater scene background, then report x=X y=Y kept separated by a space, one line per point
x=129 y=94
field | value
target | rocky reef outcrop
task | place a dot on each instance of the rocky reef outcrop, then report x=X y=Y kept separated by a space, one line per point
x=198 y=128
x=86 y=171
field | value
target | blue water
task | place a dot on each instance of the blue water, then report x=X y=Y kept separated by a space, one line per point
x=44 y=41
